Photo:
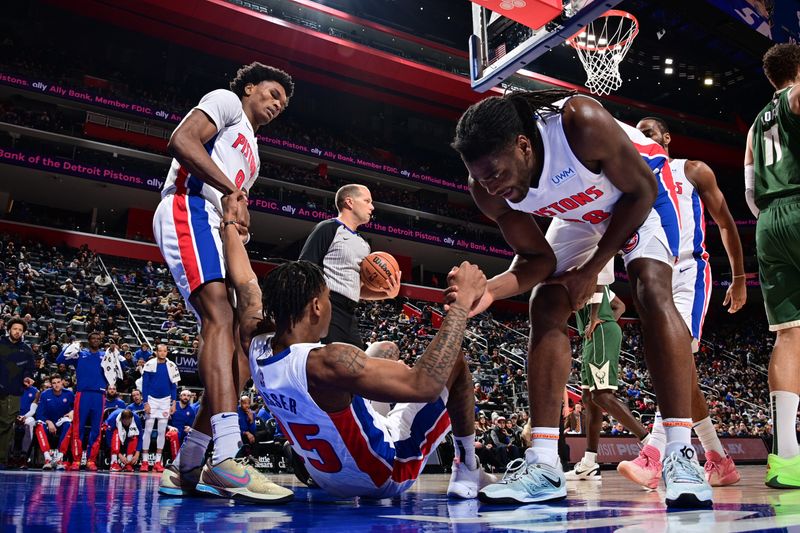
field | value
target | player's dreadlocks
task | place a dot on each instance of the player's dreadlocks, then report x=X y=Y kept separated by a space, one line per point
x=288 y=289
x=493 y=123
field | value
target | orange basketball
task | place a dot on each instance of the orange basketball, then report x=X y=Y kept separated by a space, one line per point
x=377 y=268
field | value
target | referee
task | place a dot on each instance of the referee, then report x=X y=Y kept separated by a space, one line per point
x=337 y=247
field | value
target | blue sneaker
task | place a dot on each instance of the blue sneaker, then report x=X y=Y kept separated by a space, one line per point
x=686 y=482
x=527 y=483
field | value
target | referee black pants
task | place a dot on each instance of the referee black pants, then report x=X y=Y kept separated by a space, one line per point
x=344 y=324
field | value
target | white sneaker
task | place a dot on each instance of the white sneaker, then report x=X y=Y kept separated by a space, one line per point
x=465 y=483
x=685 y=480
x=584 y=472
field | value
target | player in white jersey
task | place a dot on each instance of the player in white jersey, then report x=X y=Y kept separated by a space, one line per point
x=215 y=153
x=320 y=393
x=552 y=154
x=696 y=187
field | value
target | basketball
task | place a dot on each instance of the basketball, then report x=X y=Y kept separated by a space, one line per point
x=377 y=268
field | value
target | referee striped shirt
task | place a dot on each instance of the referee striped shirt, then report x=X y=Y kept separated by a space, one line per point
x=338 y=250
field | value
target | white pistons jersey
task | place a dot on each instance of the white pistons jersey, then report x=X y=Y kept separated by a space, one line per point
x=693 y=224
x=353 y=452
x=572 y=193
x=233 y=149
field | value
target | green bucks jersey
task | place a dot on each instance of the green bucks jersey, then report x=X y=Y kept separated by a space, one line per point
x=604 y=312
x=776 y=150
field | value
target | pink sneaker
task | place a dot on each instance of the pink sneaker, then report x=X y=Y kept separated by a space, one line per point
x=720 y=471
x=645 y=470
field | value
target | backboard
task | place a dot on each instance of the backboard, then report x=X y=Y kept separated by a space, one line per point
x=499 y=45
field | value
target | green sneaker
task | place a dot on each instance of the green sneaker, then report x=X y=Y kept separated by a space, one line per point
x=783 y=473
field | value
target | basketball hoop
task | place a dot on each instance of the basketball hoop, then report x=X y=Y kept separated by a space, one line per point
x=602 y=46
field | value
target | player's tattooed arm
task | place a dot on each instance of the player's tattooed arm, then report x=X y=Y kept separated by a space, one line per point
x=438 y=360
x=343 y=367
x=351 y=360
x=240 y=274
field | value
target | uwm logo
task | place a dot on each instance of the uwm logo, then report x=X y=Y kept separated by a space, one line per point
x=562 y=176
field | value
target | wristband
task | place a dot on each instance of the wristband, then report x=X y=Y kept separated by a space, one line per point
x=740 y=276
x=230 y=223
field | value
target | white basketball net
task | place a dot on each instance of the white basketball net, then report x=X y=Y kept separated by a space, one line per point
x=602 y=46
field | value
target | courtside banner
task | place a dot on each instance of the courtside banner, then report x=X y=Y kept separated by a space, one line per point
x=81 y=94
x=108 y=174
x=616 y=449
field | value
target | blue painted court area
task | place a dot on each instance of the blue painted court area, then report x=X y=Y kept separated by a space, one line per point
x=52 y=501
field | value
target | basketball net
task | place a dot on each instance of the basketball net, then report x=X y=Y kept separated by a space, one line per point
x=602 y=46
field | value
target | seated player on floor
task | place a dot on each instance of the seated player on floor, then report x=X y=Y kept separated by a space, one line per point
x=320 y=393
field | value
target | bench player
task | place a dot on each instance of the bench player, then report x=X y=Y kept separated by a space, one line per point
x=553 y=154
x=697 y=190
x=215 y=153
x=320 y=393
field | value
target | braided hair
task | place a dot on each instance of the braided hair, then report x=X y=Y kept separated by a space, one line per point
x=288 y=289
x=495 y=122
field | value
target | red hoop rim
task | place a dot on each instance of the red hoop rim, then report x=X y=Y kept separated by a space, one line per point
x=611 y=13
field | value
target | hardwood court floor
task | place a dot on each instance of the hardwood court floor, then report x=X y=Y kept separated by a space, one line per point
x=80 y=501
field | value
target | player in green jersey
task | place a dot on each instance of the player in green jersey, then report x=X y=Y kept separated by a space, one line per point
x=772 y=182
x=602 y=340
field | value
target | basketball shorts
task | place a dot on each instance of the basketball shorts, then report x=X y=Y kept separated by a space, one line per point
x=415 y=431
x=159 y=407
x=691 y=289
x=600 y=363
x=344 y=324
x=186 y=229
x=777 y=235
x=573 y=243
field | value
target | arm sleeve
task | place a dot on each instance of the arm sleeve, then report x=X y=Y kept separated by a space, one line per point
x=749 y=189
x=32 y=410
x=318 y=243
x=223 y=107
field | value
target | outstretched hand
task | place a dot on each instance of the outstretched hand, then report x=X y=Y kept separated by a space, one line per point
x=463 y=286
x=234 y=209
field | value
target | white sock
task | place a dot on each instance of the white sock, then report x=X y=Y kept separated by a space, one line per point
x=657 y=438
x=465 y=450
x=679 y=434
x=708 y=436
x=784 y=417
x=544 y=446
x=590 y=458
x=59 y=456
x=158 y=457
x=48 y=457
x=193 y=450
x=227 y=436
x=114 y=458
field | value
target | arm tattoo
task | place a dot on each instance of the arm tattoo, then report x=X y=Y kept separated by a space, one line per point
x=351 y=359
x=438 y=360
x=390 y=352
